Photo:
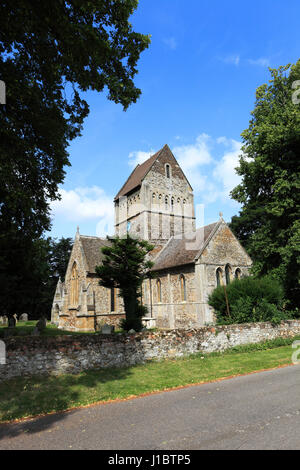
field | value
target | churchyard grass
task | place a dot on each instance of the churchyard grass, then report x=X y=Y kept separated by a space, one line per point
x=26 y=328
x=25 y=397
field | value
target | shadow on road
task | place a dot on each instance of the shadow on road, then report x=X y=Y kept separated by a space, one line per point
x=39 y=395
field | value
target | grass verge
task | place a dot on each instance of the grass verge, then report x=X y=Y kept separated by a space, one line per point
x=26 y=397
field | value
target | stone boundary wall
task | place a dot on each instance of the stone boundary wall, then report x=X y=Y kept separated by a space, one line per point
x=73 y=354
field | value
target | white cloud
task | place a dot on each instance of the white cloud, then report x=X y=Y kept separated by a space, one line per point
x=138 y=157
x=86 y=204
x=261 y=62
x=224 y=171
x=194 y=155
x=232 y=59
x=209 y=165
x=171 y=43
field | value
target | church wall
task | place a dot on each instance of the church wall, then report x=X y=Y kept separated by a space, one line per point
x=172 y=311
x=94 y=302
x=167 y=219
x=224 y=249
x=146 y=209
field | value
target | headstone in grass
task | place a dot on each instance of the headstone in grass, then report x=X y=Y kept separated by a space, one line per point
x=5 y=320
x=11 y=322
x=41 y=324
x=24 y=317
x=107 y=329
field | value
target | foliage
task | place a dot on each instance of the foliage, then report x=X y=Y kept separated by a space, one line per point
x=33 y=276
x=51 y=52
x=250 y=300
x=268 y=224
x=125 y=266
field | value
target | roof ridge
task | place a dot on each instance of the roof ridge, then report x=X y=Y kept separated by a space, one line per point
x=213 y=231
x=92 y=236
x=138 y=166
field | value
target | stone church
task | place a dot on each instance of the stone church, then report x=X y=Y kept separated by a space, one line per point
x=156 y=203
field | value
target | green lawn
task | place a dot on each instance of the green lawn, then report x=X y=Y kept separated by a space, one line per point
x=24 y=397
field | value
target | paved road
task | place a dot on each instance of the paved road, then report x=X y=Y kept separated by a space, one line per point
x=260 y=411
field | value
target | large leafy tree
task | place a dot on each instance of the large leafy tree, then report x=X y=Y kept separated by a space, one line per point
x=51 y=52
x=60 y=251
x=269 y=222
x=126 y=266
x=45 y=263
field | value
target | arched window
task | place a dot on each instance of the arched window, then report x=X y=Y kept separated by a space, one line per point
x=158 y=288
x=219 y=276
x=168 y=171
x=74 y=288
x=172 y=204
x=182 y=288
x=153 y=199
x=113 y=299
x=228 y=271
x=166 y=203
x=238 y=273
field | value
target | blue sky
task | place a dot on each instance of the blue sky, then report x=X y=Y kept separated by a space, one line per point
x=198 y=80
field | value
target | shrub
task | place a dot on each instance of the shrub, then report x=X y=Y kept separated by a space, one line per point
x=250 y=300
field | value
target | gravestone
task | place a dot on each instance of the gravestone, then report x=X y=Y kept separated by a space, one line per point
x=41 y=324
x=16 y=317
x=11 y=322
x=107 y=329
x=24 y=317
x=4 y=320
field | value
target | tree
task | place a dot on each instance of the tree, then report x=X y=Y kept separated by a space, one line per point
x=51 y=52
x=60 y=251
x=125 y=266
x=268 y=224
x=35 y=281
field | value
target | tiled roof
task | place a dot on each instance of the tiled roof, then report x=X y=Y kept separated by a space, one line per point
x=182 y=250
x=92 y=251
x=137 y=176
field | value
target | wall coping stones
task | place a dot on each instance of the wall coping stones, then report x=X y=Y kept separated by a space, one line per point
x=30 y=355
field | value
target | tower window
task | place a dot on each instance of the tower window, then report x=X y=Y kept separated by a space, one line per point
x=168 y=171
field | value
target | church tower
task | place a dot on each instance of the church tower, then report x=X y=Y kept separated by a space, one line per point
x=156 y=202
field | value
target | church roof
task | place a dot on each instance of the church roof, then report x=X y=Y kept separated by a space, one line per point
x=138 y=174
x=184 y=249
x=92 y=251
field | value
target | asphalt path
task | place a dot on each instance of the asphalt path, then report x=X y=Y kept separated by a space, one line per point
x=257 y=411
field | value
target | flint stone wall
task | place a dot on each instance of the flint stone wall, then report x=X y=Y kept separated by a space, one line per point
x=74 y=354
